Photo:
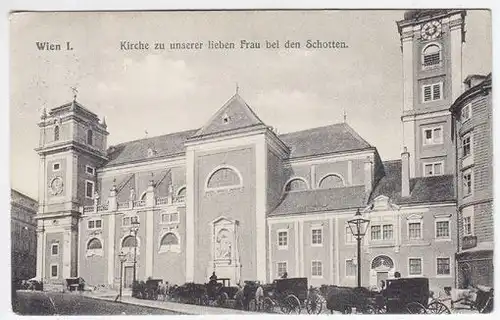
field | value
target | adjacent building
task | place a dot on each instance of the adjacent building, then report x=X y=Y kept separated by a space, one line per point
x=236 y=198
x=473 y=129
x=23 y=236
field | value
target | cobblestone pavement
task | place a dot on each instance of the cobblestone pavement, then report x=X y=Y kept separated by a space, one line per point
x=50 y=303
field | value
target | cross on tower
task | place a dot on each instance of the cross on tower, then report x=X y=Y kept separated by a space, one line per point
x=345 y=116
x=237 y=87
x=75 y=92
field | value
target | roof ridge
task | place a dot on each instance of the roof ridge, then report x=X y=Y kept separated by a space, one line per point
x=148 y=138
x=314 y=128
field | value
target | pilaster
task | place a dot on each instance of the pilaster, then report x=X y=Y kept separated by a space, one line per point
x=190 y=214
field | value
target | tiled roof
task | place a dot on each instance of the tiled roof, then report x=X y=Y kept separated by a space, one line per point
x=137 y=150
x=334 y=138
x=312 y=201
x=237 y=114
x=422 y=189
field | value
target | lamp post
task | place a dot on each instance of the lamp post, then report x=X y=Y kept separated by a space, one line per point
x=134 y=229
x=358 y=227
x=123 y=258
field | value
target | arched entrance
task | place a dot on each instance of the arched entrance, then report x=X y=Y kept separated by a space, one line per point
x=382 y=267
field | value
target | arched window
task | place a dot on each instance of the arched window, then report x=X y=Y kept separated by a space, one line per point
x=129 y=242
x=56 y=133
x=296 y=184
x=182 y=192
x=223 y=178
x=331 y=181
x=90 y=138
x=94 y=244
x=169 y=239
x=169 y=242
x=382 y=261
x=431 y=55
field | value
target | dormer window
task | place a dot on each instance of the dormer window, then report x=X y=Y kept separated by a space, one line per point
x=56 y=133
x=225 y=118
x=90 y=138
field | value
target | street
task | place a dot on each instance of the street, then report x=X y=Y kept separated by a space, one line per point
x=50 y=303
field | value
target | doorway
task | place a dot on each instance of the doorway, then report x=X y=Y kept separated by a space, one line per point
x=382 y=276
x=129 y=277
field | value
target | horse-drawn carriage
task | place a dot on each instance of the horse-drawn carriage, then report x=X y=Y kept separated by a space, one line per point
x=148 y=289
x=219 y=291
x=402 y=295
x=287 y=295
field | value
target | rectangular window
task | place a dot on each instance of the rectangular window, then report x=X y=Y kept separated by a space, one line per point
x=126 y=221
x=468 y=226
x=350 y=268
x=467 y=183
x=174 y=217
x=89 y=189
x=90 y=170
x=466 y=145
x=415 y=266
x=375 y=233
x=54 y=249
x=466 y=113
x=432 y=92
x=95 y=224
x=281 y=268
x=54 y=271
x=282 y=239
x=433 y=136
x=443 y=266
x=317 y=236
x=316 y=268
x=415 y=230
x=442 y=229
x=433 y=169
x=165 y=218
x=387 y=231
x=56 y=166
x=349 y=238
x=134 y=220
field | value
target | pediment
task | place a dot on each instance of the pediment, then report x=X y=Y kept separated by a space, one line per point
x=222 y=220
x=383 y=203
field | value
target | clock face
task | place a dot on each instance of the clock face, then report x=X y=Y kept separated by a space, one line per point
x=56 y=186
x=431 y=30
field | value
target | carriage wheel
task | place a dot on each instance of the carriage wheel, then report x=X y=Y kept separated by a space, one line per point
x=221 y=299
x=315 y=304
x=291 y=304
x=437 y=307
x=415 y=308
x=268 y=305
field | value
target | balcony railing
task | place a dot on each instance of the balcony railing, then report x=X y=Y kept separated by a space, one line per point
x=103 y=207
x=140 y=203
x=123 y=205
x=180 y=199
x=163 y=200
x=88 y=209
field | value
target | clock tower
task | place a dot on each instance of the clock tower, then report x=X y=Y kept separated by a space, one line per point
x=431 y=43
x=72 y=146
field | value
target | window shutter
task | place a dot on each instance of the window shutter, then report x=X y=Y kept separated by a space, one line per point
x=427 y=93
x=436 y=95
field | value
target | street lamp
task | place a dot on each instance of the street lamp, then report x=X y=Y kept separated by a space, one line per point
x=358 y=227
x=123 y=258
x=134 y=229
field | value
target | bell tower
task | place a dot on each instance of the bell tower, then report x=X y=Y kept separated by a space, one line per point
x=72 y=146
x=431 y=44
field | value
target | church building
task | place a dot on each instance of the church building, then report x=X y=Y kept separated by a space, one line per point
x=235 y=198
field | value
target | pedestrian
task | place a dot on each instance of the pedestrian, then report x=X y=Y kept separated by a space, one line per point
x=259 y=298
x=397 y=275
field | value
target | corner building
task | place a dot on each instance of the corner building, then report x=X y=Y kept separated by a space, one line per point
x=239 y=199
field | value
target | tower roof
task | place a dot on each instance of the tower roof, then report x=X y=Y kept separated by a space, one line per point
x=234 y=114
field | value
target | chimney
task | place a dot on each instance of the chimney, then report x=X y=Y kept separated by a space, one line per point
x=368 y=176
x=405 y=173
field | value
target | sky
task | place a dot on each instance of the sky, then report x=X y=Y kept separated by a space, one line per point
x=169 y=91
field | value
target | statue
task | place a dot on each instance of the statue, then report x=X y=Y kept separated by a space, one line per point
x=223 y=245
x=132 y=194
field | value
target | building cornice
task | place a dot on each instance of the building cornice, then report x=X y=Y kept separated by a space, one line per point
x=331 y=157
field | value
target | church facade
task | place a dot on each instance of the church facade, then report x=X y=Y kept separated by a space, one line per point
x=238 y=199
